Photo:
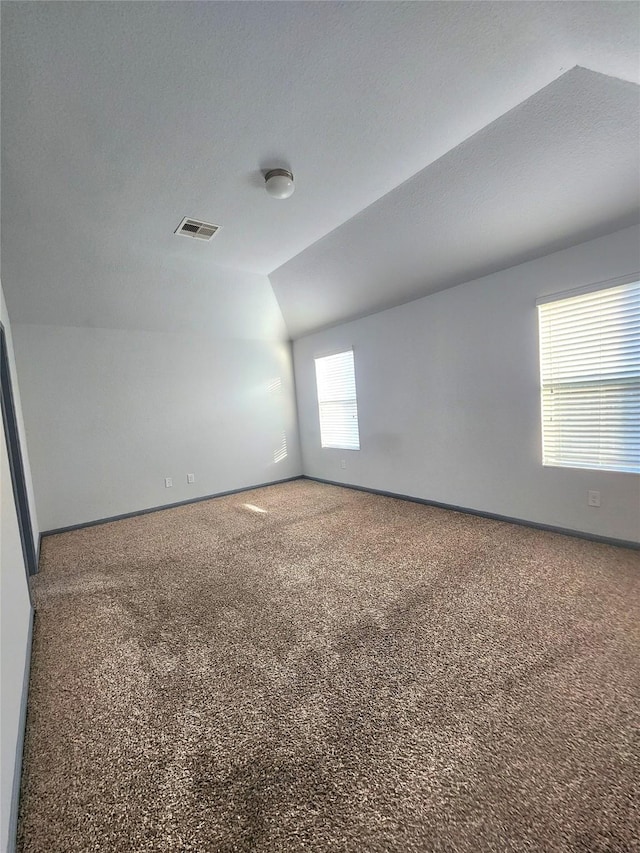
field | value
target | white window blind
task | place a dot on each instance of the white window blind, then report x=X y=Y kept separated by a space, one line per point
x=590 y=377
x=336 y=385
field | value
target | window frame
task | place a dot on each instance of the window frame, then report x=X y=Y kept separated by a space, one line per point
x=319 y=402
x=610 y=380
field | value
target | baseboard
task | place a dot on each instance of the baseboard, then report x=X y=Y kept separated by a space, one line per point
x=17 y=771
x=164 y=506
x=607 y=540
x=594 y=537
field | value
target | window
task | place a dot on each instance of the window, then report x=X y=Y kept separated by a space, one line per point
x=590 y=378
x=336 y=385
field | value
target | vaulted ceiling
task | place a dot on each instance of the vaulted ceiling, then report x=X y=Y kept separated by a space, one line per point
x=431 y=143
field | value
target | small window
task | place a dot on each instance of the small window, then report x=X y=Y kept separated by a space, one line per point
x=337 y=404
x=590 y=378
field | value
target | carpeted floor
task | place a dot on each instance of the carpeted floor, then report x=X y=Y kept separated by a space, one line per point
x=335 y=672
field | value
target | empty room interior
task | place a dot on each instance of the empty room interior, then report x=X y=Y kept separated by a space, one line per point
x=321 y=408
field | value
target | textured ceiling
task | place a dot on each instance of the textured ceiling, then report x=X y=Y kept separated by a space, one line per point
x=118 y=119
x=560 y=168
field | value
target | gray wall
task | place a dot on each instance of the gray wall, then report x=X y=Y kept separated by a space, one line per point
x=448 y=398
x=16 y=620
x=200 y=382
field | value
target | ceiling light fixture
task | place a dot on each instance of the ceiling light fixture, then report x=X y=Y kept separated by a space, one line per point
x=279 y=183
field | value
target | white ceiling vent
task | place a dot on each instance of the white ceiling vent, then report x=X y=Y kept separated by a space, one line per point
x=195 y=228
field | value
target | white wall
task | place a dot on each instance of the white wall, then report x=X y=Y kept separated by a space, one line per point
x=448 y=398
x=16 y=620
x=110 y=413
x=196 y=377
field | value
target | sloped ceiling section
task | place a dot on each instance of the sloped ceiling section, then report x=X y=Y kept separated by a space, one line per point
x=561 y=168
x=119 y=119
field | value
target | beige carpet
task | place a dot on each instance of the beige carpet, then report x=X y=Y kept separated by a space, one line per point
x=336 y=672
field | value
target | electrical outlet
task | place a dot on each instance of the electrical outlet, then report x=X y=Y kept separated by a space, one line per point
x=343 y=463
x=191 y=478
x=168 y=482
x=593 y=498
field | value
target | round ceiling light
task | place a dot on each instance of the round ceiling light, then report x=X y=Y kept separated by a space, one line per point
x=279 y=183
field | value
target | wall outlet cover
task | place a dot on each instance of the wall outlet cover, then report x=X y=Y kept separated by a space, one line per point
x=168 y=482
x=593 y=498
x=191 y=478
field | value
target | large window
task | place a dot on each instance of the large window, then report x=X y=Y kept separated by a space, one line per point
x=590 y=377
x=337 y=404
